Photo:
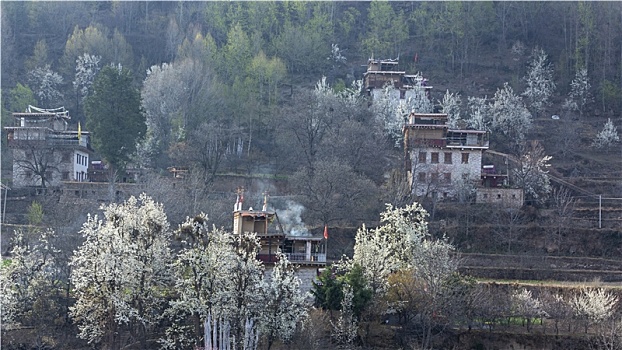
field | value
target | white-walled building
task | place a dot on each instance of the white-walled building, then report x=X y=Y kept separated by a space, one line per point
x=441 y=161
x=45 y=152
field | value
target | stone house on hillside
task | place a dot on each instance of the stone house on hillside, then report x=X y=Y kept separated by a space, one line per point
x=382 y=72
x=439 y=160
x=45 y=151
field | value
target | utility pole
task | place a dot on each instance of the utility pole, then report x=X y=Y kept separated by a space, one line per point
x=600 y=211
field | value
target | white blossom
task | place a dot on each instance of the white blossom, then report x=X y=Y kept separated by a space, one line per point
x=87 y=67
x=46 y=85
x=594 y=304
x=539 y=81
x=344 y=331
x=451 y=106
x=607 y=136
x=532 y=173
x=120 y=271
x=479 y=114
x=509 y=114
x=525 y=305
x=335 y=54
x=283 y=303
x=389 y=247
x=27 y=276
x=579 y=96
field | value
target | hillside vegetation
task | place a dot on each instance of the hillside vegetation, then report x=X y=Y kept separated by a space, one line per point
x=266 y=96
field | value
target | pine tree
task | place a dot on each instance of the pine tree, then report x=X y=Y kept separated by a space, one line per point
x=114 y=116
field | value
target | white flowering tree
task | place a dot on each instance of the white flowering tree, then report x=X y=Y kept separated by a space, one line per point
x=525 y=305
x=579 y=96
x=594 y=305
x=607 y=136
x=509 y=114
x=479 y=115
x=451 y=106
x=402 y=245
x=389 y=247
x=418 y=101
x=390 y=112
x=87 y=67
x=539 y=80
x=45 y=84
x=30 y=283
x=162 y=96
x=200 y=273
x=336 y=55
x=531 y=174
x=121 y=271
x=243 y=301
x=284 y=305
x=344 y=330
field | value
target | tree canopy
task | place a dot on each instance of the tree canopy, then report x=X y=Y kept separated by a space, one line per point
x=114 y=115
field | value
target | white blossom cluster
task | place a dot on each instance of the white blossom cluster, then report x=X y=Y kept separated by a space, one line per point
x=479 y=115
x=87 y=67
x=218 y=277
x=594 y=304
x=46 y=85
x=335 y=54
x=27 y=276
x=392 y=111
x=451 y=106
x=121 y=270
x=509 y=114
x=532 y=173
x=607 y=136
x=539 y=80
x=526 y=305
x=579 y=95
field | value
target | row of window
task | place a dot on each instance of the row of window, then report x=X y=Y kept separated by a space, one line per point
x=82 y=160
x=435 y=177
x=434 y=157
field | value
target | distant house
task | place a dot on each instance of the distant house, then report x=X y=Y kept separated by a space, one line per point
x=440 y=160
x=301 y=249
x=381 y=73
x=305 y=251
x=45 y=151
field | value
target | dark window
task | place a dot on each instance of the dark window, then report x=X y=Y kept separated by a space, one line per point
x=422 y=157
x=447 y=157
x=465 y=158
x=498 y=196
x=434 y=158
x=422 y=177
x=65 y=175
x=447 y=177
x=485 y=195
x=434 y=177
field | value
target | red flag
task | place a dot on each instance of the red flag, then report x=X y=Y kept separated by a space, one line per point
x=325 y=232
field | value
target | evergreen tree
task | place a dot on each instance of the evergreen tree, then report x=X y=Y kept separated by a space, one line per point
x=114 y=116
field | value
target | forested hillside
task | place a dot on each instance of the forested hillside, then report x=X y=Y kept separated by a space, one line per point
x=268 y=96
x=225 y=87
